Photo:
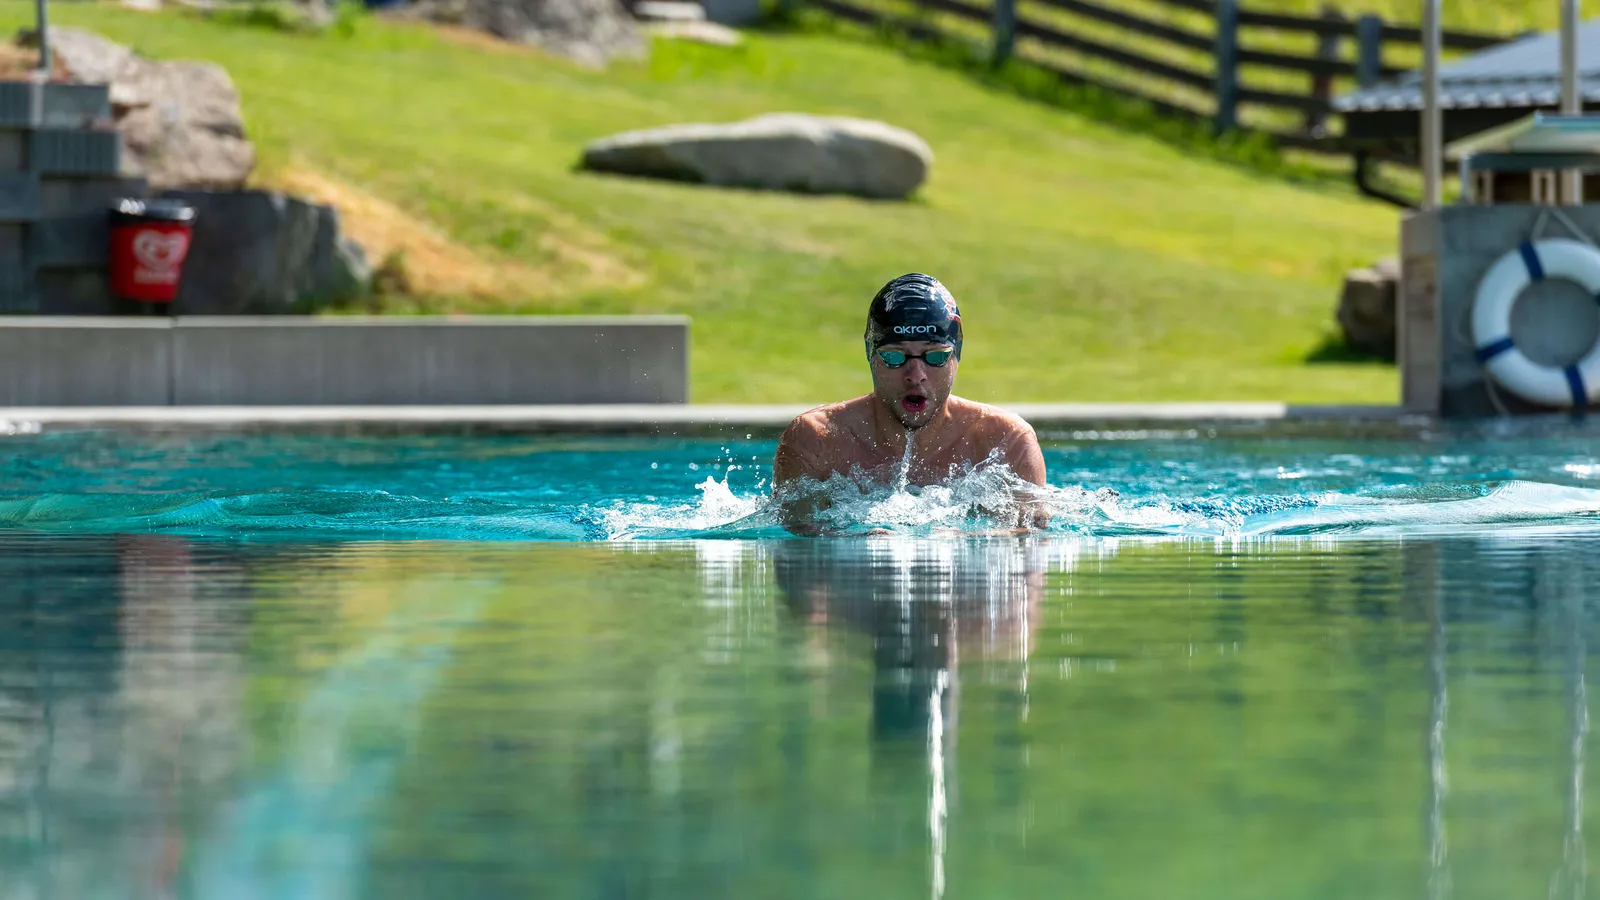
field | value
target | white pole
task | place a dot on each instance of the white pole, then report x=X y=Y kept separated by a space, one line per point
x=1431 y=121
x=1571 y=99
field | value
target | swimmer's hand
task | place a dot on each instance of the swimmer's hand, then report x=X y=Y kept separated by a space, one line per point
x=800 y=513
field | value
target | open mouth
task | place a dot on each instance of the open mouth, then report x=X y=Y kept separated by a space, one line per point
x=914 y=403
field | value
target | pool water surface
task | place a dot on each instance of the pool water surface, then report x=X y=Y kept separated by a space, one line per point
x=1265 y=667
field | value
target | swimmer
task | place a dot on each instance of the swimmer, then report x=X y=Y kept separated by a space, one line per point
x=913 y=344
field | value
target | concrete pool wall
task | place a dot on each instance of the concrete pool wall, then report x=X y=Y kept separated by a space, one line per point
x=1053 y=421
x=86 y=361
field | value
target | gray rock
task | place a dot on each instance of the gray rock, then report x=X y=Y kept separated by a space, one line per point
x=591 y=32
x=1367 y=309
x=180 y=121
x=260 y=253
x=338 y=269
x=781 y=151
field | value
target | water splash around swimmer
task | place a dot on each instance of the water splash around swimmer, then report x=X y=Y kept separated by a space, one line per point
x=982 y=499
x=987 y=499
x=903 y=472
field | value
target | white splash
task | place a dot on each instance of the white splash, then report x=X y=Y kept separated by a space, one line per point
x=902 y=473
x=717 y=506
x=989 y=497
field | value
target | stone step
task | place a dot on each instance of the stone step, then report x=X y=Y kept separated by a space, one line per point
x=19 y=198
x=18 y=293
x=71 y=196
x=29 y=105
x=13 y=245
x=74 y=241
x=74 y=292
x=53 y=151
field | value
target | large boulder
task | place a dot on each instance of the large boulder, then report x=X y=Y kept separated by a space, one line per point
x=779 y=151
x=1367 y=309
x=180 y=121
x=591 y=32
x=262 y=253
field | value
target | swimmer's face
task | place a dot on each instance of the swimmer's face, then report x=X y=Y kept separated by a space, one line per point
x=916 y=391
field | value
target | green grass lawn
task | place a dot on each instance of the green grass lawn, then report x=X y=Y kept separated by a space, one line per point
x=1090 y=264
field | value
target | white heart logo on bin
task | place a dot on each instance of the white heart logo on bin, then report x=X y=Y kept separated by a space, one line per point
x=158 y=251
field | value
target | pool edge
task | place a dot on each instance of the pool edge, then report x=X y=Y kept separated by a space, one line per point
x=653 y=418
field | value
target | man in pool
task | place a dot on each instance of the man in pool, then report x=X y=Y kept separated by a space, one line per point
x=913 y=343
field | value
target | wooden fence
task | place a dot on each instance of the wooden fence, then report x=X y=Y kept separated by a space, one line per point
x=1164 y=45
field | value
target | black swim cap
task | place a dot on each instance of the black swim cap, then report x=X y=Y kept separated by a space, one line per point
x=914 y=307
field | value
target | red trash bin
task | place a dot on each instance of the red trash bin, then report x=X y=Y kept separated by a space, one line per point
x=149 y=242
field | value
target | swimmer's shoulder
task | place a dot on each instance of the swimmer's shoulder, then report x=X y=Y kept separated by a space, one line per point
x=1011 y=434
x=829 y=421
x=814 y=438
x=996 y=423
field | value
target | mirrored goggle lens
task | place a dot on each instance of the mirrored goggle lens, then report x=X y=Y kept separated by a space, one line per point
x=894 y=359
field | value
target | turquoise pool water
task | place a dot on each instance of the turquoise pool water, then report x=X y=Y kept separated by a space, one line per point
x=1176 y=482
x=311 y=667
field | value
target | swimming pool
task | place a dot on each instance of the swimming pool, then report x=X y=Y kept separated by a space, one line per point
x=1193 y=482
x=280 y=665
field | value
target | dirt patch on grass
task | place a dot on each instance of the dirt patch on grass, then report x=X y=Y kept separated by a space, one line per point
x=437 y=266
x=463 y=36
x=479 y=40
x=17 y=63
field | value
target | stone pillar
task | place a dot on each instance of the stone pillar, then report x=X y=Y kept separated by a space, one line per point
x=1417 y=313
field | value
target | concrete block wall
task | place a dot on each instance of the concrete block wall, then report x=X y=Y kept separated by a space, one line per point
x=85 y=361
x=343 y=361
x=1444 y=254
x=60 y=159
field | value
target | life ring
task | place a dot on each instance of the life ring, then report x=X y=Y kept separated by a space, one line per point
x=1569 y=386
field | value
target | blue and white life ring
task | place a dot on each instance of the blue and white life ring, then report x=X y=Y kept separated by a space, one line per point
x=1570 y=386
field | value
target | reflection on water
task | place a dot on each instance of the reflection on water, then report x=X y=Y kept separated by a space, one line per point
x=882 y=716
x=927 y=607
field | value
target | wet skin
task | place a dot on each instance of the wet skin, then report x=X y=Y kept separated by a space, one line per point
x=867 y=435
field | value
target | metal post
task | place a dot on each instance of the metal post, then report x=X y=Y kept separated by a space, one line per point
x=1571 y=99
x=1322 y=85
x=1369 y=40
x=1005 y=30
x=44 y=37
x=1431 y=119
x=1227 y=53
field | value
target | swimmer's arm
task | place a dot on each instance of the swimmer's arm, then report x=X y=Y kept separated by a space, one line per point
x=798 y=456
x=1024 y=456
x=1027 y=461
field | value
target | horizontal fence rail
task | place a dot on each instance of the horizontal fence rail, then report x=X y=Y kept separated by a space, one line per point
x=1241 y=72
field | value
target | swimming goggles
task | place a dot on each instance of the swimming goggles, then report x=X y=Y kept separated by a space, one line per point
x=894 y=359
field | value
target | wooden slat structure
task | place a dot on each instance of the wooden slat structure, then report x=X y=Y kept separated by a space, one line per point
x=1241 y=73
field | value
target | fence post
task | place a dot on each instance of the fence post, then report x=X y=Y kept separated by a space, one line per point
x=1005 y=30
x=1369 y=35
x=1322 y=85
x=1227 y=53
